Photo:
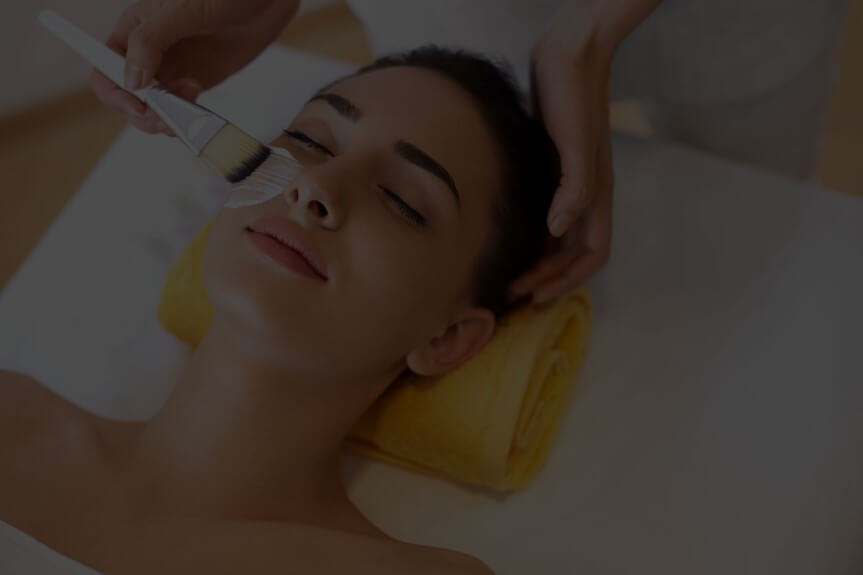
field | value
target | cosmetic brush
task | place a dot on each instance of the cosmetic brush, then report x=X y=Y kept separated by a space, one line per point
x=228 y=149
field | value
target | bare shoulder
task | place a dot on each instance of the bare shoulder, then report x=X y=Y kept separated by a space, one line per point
x=436 y=561
x=311 y=549
x=44 y=442
x=26 y=405
x=20 y=387
x=30 y=414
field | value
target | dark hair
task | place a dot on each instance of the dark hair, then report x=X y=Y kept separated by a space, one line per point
x=530 y=165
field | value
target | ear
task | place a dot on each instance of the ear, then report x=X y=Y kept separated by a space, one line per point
x=460 y=341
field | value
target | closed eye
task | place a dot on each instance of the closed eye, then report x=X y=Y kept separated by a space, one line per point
x=404 y=208
x=308 y=141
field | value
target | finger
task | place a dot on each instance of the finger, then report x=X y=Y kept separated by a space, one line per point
x=550 y=267
x=196 y=58
x=151 y=124
x=597 y=236
x=157 y=124
x=185 y=88
x=115 y=97
x=223 y=45
x=153 y=36
x=577 y=276
x=573 y=194
x=132 y=17
x=208 y=60
x=128 y=21
x=599 y=228
x=567 y=107
x=560 y=256
x=597 y=247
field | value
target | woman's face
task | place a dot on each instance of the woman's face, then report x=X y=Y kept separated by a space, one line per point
x=395 y=200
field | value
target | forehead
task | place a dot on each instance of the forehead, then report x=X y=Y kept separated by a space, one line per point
x=432 y=112
x=412 y=96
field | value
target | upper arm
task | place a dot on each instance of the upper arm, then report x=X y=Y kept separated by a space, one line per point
x=20 y=398
x=320 y=550
x=29 y=412
x=21 y=430
x=474 y=566
x=448 y=562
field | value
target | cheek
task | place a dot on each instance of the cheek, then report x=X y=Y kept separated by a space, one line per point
x=235 y=282
x=226 y=274
x=406 y=277
x=217 y=255
x=388 y=267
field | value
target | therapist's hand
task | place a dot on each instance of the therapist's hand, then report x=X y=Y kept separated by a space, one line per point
x=188 y=46
x=571 y=69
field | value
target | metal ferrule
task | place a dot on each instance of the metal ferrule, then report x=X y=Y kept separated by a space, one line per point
x=193 y=124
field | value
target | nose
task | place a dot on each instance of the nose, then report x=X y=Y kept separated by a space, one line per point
x=315 y=202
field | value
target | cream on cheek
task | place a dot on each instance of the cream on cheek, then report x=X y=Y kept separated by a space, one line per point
x=272 y=178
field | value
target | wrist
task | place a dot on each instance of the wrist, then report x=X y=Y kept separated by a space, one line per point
x=581 y=32
x=284 y=10
x=617 y=19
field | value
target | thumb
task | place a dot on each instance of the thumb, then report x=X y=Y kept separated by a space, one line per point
x=566 y=107
x=186 y=88
x=575 y=191
x=149 y=41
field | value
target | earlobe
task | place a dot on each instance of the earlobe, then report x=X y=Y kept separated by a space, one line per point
x=462 y=340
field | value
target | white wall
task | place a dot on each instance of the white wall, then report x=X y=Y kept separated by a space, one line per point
x=34 y=66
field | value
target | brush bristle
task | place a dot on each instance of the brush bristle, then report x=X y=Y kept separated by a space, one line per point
x=235 y=154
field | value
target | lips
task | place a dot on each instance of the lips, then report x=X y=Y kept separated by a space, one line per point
x=289 y=245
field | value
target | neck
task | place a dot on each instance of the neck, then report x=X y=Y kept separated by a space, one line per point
x=238 y=439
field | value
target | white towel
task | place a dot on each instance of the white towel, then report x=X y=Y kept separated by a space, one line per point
x=21 y=554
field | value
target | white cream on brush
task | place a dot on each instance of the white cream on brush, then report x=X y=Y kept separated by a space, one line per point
x=272 y=178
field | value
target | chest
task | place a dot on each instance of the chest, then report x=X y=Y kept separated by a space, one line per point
x=115 y=545
x=81 y=515
x=59 y=485
x=48 y=475
x=65 y=497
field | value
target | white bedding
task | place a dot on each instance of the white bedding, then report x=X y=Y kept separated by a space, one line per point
x=718 y=425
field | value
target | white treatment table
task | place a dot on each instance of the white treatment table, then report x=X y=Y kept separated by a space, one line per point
x=718 y=423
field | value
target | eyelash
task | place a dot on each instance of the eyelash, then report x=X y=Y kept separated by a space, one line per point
x=403 y=207
x=305 y=139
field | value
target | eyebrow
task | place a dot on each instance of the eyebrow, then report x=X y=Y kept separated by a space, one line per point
x=342 y=105
x=403 y=149
x=417 y=157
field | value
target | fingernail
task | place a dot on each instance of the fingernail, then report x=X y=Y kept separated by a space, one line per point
x=192 y=86
x=540 y=299
x=190 y=90
x=561 y=224
x=135 y=110
x=134 y=77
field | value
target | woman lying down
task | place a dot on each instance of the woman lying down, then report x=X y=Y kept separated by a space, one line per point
x=423 y=194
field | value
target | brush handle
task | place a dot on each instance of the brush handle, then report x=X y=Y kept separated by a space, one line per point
x=193 y=124
x=97 y=53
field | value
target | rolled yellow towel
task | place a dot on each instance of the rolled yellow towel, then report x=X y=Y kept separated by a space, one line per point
x=490 y=422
